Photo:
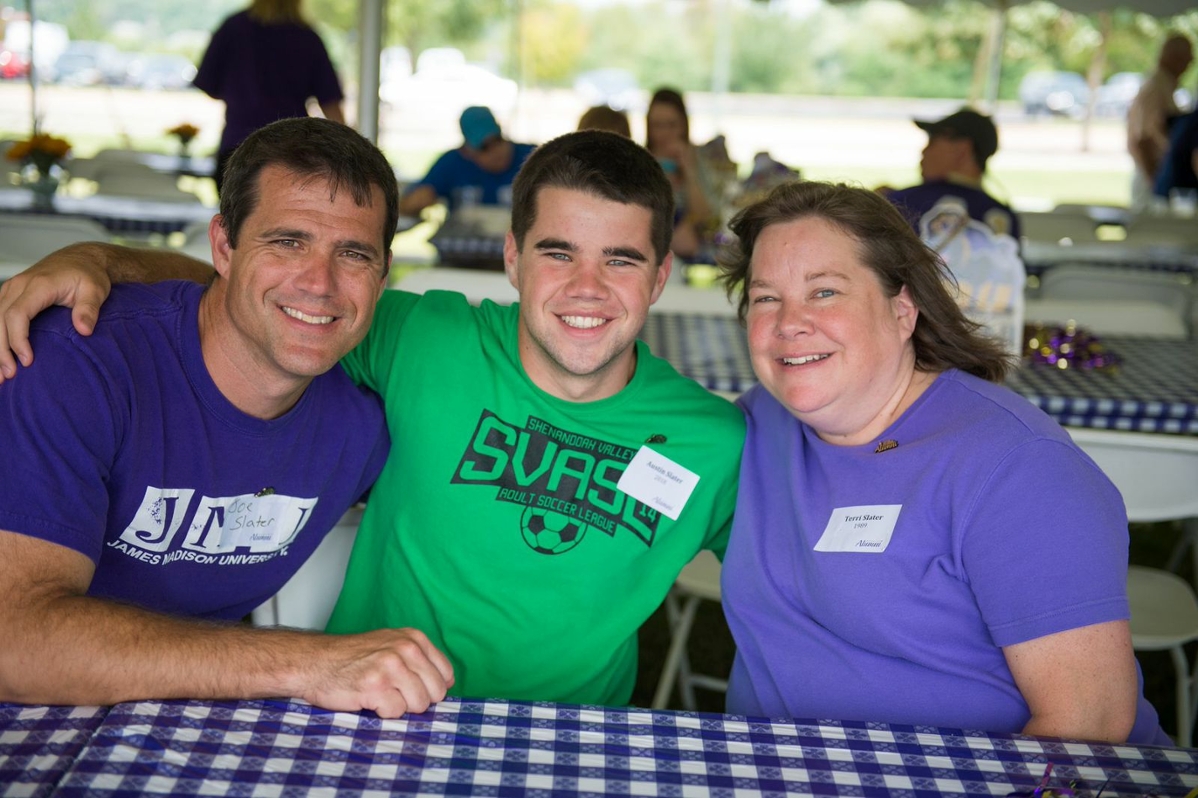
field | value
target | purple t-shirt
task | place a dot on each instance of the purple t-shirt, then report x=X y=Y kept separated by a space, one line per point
x=264 y=73
x=1003 y=531
x=915 y=201
x=121 y=447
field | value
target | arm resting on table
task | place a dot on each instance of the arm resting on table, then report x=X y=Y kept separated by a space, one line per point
x=1080 y=683
x=79 y=277
x=64 y=647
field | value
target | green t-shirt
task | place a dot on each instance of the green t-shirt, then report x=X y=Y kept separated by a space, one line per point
x=496 y=527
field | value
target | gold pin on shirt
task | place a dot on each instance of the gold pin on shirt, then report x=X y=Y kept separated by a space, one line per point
x=885 y=446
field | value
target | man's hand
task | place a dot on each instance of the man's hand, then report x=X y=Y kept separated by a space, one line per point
x=73 y=277
x=390 y=671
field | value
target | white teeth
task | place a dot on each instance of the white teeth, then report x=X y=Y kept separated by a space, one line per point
x=295 y=314
x=798 y=361
x=583 y=322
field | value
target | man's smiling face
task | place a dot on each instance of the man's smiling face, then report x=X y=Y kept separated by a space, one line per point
x=586 y=276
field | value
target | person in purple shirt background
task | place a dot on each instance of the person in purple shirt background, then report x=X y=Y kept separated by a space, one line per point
x=265 y=63
x=913 y=543
x=953 y=164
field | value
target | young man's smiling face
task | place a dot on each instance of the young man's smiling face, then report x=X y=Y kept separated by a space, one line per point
x=586 y=276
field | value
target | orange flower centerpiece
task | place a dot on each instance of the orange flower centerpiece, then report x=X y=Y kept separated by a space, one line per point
x=185 y=132
x=42 y=155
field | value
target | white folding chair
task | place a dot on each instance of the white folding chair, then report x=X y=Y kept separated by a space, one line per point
x=1162 y=231
x=307 y=600
x=28 y=237
x=1158 y=476
x=1073 y=281
x=1108 y=317
x=1055 y=227
x=127 y=179
x=698 y=581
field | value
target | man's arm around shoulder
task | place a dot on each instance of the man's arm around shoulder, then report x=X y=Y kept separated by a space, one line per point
x=80 y=277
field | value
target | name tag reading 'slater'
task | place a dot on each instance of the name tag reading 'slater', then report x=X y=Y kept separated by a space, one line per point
x=866 y=528
x=657 y=481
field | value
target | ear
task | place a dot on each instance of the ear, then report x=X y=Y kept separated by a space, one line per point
x=222 y=252
x=511 y=257
x=663 y=274
x=905 y=312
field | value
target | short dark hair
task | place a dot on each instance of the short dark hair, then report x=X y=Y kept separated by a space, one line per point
x=944 y=338
x=602 y=164
x=672 y=98
x=309 y=147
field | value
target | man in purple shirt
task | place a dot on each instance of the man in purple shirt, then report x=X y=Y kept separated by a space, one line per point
x=265 y=63
x=171 y=470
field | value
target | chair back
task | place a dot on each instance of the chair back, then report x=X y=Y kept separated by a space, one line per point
x=476 y=284
x=28 y=237
x=1108 y=317
x=1157 y=474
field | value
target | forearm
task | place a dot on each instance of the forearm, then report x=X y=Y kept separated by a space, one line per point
x=144 y=265
x=1098 y=721
x=84 y=650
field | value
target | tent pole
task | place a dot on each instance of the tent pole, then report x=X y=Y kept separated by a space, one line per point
x=371 y=15
x=32 y=68
x=998 y=35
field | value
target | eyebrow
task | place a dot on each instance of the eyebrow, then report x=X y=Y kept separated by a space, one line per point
x=757 y=282
x=628 y=253
x=302 y=235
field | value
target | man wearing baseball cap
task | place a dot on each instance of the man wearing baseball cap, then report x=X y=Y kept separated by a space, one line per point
x=480 y=172
x=953 y=165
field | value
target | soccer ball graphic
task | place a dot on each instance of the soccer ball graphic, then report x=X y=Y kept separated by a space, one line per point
x=548 y=532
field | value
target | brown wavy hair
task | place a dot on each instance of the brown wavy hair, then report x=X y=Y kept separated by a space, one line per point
x=943 y=338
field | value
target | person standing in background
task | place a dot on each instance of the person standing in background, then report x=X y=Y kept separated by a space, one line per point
x=265 y=63
x=1150 y=114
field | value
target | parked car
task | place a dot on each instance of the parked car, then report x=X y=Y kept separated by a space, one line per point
x=448 y=85
x=89 y=64
x=1114 y=97
x=1060 y=93
x=161 y=71
x=617 y=88
x=13 y=64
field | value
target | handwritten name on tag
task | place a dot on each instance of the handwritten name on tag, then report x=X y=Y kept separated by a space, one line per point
x=865 y=528
x=657 y=481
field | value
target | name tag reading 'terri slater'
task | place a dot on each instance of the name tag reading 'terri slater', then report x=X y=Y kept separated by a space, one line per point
x=657 y=481
x=865 y=528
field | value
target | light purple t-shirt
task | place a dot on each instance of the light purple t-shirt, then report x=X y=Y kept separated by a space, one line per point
x=1003 y=531
x=121 y=447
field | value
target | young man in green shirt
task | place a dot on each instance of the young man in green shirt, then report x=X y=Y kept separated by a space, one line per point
x=548 y=475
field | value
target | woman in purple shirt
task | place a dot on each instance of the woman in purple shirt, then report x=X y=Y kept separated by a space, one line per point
x=913 y=543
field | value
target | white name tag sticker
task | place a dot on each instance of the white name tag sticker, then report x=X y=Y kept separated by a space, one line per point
x=866 y=528
x=657 y=481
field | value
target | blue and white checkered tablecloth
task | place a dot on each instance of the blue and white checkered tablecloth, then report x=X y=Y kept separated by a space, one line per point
x=119 y=215
x=711 y=350
x=463 y=249
x=1155 y=389
x=500 y=748
x=39 y=744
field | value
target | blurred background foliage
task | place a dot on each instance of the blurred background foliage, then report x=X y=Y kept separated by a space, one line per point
x=879 y=48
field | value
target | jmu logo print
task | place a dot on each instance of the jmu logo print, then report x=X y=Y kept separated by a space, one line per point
x=228 y=530
x=565 y=481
